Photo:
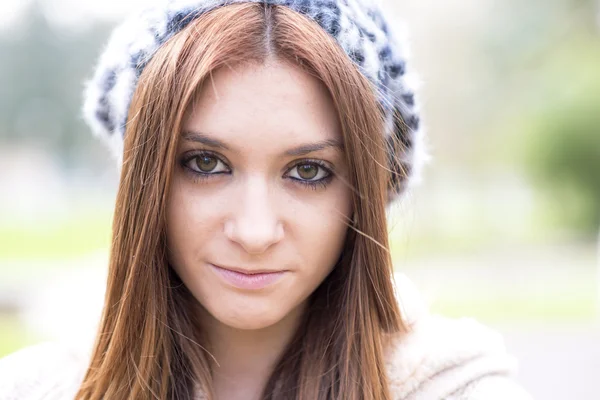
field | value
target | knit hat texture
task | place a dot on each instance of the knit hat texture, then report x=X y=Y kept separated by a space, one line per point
x=359 y=27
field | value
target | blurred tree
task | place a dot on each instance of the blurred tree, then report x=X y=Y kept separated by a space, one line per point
x=564 y=134
x=546 y=56
x=41 y=75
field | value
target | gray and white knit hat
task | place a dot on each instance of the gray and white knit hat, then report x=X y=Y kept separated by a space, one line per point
x=359 y=27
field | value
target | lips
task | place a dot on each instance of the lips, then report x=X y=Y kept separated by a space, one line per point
x=248 y=279
x=247 y=271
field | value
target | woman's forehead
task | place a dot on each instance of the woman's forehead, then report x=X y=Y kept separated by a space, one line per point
x=273 y=105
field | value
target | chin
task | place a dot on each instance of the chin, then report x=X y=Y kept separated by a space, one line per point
x=250 y=324
x=248 y=314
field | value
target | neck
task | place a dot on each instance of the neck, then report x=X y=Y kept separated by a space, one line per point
x=245 y=359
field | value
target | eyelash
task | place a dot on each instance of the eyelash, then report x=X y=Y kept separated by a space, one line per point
x=201 y=176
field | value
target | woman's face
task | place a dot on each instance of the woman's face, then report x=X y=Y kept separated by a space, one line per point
x=258 y=209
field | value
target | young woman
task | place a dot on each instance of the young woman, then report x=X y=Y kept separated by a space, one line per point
x=259 y=144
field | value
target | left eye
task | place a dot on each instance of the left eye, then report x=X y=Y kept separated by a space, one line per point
x=308 y=172
x=206 y=164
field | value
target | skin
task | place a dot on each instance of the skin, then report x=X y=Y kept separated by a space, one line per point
x=252 y=211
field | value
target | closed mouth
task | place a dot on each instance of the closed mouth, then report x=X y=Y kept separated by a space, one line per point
x=248 y=280
x=249 y=271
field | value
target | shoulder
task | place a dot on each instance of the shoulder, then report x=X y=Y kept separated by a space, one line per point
x=50 y=371
x=445 y=358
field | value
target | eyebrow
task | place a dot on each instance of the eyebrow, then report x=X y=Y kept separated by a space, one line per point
x=313 y=147
x=200 y=137
x=301 y=150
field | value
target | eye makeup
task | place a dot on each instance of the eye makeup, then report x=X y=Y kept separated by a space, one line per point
x=203 y=165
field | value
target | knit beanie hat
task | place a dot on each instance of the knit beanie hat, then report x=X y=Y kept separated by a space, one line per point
x=358 y=26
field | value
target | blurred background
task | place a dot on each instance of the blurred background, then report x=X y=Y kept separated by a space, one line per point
x=504 y=226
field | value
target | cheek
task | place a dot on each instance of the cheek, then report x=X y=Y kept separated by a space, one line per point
x=189 y=225
x=320 y=231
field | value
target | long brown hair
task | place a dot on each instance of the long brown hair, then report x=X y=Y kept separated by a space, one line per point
x=149 y=343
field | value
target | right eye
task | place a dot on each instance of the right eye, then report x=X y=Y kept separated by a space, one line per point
x=206 y=163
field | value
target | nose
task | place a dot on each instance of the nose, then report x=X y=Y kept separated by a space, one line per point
x=254 y=223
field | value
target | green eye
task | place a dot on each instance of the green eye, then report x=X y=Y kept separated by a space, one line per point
x=206 y=163
x=307 y=171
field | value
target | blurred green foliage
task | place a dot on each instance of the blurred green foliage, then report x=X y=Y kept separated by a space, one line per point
x=566 y=307
x=42 y=76
x=84 y=232
x=545 y=61
x=563 y=131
